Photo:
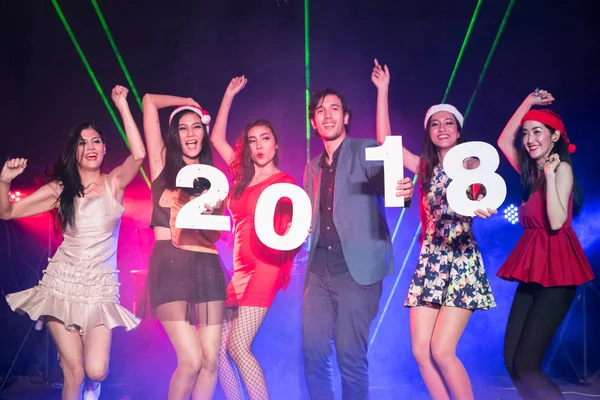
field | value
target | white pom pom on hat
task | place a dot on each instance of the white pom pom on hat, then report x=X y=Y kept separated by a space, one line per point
x=444 y=107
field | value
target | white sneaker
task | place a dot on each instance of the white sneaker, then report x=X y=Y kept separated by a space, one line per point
x=92 y=393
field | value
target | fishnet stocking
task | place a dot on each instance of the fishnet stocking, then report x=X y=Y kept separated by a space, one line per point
x=229 y=380
x=241 y=333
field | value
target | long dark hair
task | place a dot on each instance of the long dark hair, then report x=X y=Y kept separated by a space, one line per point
x=174 y=154
x=66 y=173
x=242 y=167
x=429 y=156
x=529 y=172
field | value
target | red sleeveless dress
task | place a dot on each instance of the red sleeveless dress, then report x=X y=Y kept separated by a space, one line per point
x=542 y=255
x=258 y=271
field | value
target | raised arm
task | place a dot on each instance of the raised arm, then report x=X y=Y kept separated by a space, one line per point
x=507 y=138
x=559 y=184
x=381 y=79
x=42 y=200
x=121 y=176
x=154 y=141
x=219 y=133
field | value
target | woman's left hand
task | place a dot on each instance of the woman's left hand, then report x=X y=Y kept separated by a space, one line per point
x=380 y=76
x=483 y=214
x=209 y=210
x=551 y=165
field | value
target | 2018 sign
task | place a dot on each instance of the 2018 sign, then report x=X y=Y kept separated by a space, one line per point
x=390 y=152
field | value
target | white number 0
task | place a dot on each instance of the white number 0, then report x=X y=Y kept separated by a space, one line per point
x=265 y=213
x=462 y=178
x=190 y=216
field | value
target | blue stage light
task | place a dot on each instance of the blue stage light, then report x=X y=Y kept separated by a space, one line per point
x=511 y=214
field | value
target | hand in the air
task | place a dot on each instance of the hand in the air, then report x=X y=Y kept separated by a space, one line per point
x=236 y=85
x=12 y=168
x=380 y=76
x=119 y=95
x=542 y=98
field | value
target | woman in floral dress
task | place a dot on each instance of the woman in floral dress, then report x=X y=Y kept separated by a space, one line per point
x=449 y=282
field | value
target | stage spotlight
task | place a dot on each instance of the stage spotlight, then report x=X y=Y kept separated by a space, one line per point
x=511 y=214
x=14 y=196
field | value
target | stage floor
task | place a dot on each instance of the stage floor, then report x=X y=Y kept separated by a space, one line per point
x=485 y=388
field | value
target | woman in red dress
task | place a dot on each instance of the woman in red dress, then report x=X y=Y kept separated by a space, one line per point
x=548 y=261
x=259 y=271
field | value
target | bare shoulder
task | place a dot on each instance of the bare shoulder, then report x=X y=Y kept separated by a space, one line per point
x=564 y=172
x=565 y=167
x=111 y=179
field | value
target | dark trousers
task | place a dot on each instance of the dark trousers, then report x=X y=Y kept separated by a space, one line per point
x=535 y=315
x=336 y=308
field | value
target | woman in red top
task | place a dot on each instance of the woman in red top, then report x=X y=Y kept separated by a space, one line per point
x=259 y=271
x=548 y=260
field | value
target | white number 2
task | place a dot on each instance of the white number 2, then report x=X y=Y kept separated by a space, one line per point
x=190 y=216
x=390 y=152
x=484 y=174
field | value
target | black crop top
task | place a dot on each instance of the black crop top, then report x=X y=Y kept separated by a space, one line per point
x=160 y=215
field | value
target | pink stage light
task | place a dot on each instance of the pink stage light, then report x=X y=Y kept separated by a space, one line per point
x=14 y=196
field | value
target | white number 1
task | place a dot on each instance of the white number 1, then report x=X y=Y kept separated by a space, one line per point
x=390 y=152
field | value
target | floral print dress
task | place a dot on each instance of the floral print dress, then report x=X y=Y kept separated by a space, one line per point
x=450 y=269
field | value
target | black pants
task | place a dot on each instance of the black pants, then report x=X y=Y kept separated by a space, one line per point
x=535 y=315
x=339 y=309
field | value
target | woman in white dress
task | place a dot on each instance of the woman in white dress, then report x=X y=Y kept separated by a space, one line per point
x=78 y=296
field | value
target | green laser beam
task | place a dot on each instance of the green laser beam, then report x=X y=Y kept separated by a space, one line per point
x=117 y=53
x=307 y=72
x=389 y=299
x=489 y=57
x=94 y=80
x=462 y=50
x=414 y=181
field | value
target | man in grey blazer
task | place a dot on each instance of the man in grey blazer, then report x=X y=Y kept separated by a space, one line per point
x=350 y=251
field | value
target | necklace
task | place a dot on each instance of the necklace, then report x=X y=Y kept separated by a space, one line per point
x=92 y=183
x=540 y=167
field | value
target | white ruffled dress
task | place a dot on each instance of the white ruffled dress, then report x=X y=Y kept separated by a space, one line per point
x=80 y=286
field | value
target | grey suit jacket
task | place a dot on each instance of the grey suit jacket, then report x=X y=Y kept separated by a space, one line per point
x=358 y=211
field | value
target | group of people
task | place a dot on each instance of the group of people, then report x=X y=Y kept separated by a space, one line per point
x=212 y=324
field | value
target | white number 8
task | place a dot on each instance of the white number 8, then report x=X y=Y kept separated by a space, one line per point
x=484 y=174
